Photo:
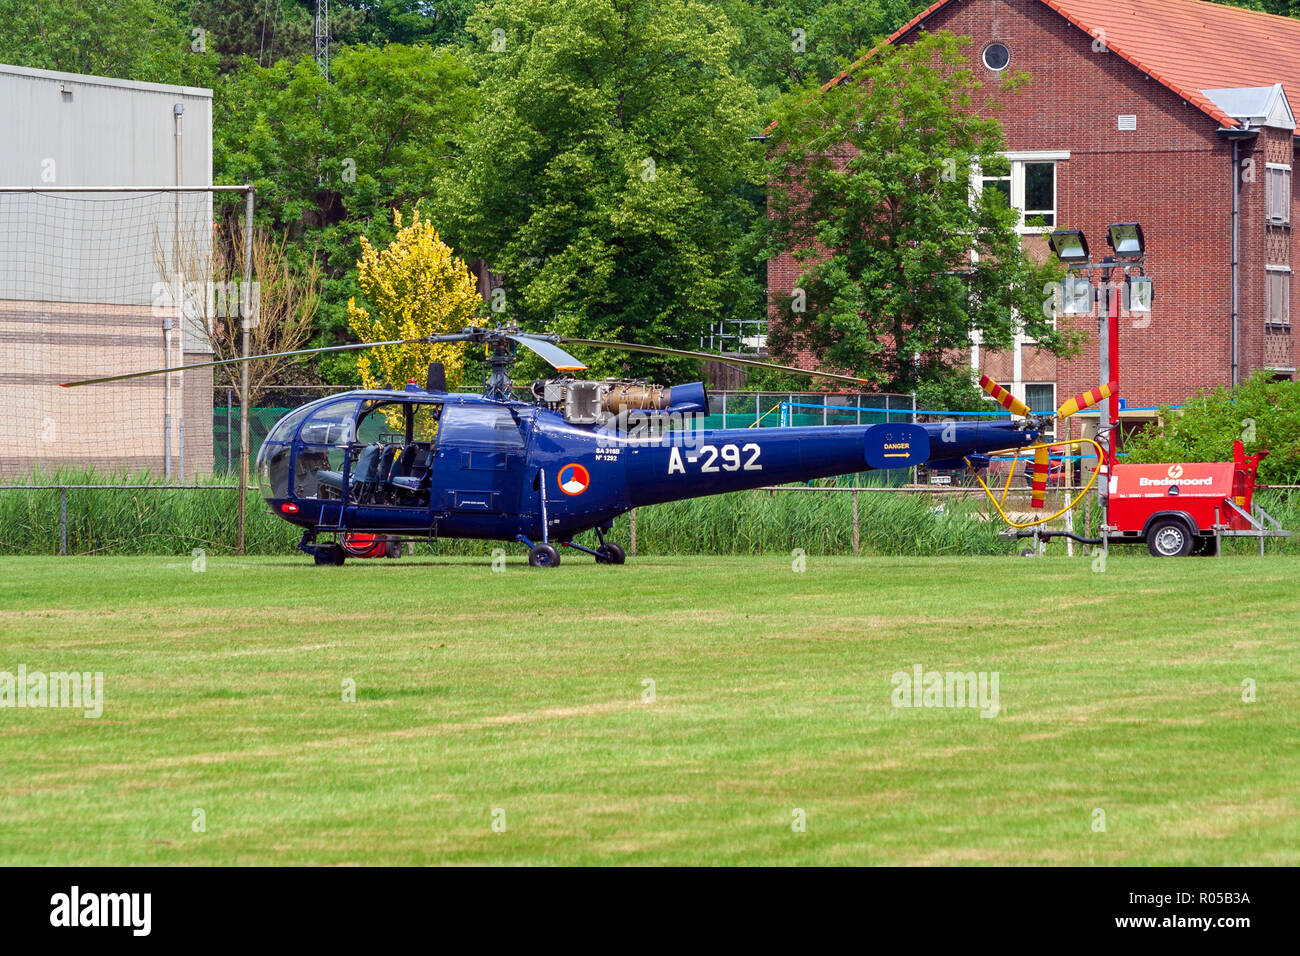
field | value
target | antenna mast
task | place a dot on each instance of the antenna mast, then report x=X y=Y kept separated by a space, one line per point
x=322 y=31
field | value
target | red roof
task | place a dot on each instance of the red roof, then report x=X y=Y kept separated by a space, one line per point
x=1185 y=45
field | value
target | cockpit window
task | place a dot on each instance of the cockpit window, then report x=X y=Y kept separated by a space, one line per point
x=484 y=426
x=385 y=422
x=284 y=428
x=425 y=425
x=330 y=425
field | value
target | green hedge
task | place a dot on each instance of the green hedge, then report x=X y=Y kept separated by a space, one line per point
x=1263 y=413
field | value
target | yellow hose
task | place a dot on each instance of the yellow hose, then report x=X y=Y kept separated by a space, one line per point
x=998 y=502
x=755 y=424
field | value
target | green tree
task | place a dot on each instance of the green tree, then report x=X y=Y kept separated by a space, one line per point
x=788 y=43
x=1263 y=413
x=870 y=190
x=1282 y=8
x=408 y=21
x=146 y=40
x=266 y=32
x=331 y=160
x=604 y=180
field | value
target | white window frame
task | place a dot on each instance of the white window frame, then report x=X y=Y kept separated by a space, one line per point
x=1272 y=319
x=1049 y=430
x=1277 y=198
x=1018 y=159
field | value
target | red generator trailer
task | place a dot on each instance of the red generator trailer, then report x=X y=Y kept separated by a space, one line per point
x=1187 y=508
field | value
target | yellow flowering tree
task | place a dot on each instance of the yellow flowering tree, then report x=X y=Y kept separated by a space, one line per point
x=415 y=287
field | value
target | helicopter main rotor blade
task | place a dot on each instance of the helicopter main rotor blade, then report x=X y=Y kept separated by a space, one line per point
x=453 y=337
x=551 y=353
x=546 y=346
x=711 y=357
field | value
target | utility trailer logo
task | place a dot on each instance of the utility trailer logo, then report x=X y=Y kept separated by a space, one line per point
x=1174 y=477
x=73 y=909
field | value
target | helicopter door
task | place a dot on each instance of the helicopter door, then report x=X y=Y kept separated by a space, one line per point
x=480 y=460
x=398 y=440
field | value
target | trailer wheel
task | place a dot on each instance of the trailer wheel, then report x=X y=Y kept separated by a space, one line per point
x=1169 y=538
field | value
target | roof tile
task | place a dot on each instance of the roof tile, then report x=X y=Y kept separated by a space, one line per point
x=1187 y=45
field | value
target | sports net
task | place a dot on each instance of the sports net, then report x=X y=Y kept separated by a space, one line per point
x=97 y=284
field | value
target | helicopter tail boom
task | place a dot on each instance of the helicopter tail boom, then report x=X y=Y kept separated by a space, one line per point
x=707 y=462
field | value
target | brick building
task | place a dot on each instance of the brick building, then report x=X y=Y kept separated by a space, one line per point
x=1149 y=111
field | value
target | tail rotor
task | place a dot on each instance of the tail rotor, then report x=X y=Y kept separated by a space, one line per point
x=1042 y=462
x=1042 y=453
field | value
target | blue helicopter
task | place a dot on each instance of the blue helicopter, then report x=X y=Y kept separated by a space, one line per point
x=365 y=470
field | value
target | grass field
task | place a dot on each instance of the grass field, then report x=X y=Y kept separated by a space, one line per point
x=519 y=697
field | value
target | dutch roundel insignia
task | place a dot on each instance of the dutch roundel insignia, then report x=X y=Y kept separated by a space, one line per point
x=573 y=479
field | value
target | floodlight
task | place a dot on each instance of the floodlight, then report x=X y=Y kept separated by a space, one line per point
x=1076 y=296
x=1126 y=239
x=1140 y=293
x=1070 y=245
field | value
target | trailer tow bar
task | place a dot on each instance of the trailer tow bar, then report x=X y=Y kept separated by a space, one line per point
x=1017 y=533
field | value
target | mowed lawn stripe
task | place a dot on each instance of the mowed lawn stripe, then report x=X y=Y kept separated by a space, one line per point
x=675 y=710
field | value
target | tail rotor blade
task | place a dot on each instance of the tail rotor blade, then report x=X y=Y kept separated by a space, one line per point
x=1042 y=462
x=1094 y=396
x=1004 y=398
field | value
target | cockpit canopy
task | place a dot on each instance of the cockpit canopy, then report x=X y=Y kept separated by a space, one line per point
x=368 y=448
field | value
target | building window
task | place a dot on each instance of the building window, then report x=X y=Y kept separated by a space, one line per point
x=1041 y=397
x=1039 y=193
x=1027 y=182
x=997 y=56
x=1278 y=298
x=1278 y=194
x=996 y=175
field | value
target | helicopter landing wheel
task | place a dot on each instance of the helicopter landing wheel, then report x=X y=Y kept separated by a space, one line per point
x=543 y=556
x=331 y=554
x=610 y=553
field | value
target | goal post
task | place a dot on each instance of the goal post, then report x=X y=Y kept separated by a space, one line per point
x=106 y=280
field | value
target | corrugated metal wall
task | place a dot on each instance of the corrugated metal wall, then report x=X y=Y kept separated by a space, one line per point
x=60 y=129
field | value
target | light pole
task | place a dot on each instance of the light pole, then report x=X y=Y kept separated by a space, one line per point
x=1129 y=247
